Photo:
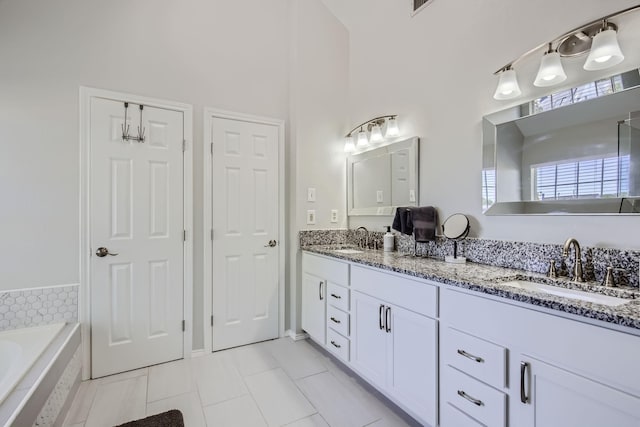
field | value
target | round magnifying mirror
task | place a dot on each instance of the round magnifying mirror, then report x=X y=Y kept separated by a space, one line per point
x=455 y=228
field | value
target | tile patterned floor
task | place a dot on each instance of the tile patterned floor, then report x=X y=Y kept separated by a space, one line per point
x=274 y=383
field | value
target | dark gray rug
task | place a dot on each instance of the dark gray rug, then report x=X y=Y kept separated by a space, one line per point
x=172 y=418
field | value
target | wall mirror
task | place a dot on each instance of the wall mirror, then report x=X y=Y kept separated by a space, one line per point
x=380 y=179
x=576 y=151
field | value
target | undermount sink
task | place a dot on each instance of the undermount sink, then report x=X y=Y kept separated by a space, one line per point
x=347 y=251
x=566 y=293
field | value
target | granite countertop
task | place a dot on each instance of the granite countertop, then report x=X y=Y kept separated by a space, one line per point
x=487 y=279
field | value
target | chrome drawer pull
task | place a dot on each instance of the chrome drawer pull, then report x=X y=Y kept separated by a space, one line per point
x=336 y=296
x=333 y=343
x=470 y=356
x=334 y=320
x=523 y=375
x=470 y=399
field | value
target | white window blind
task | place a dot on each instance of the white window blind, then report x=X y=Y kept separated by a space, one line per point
x=578 y=94
x=488 y=188
x=593 y=178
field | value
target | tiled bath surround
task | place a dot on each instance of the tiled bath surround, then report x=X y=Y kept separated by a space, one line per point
x=534 y=257
x=38 y=306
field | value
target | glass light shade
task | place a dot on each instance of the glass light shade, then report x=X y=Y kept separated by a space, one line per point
x=508 y=87
x=550 y=72
x=362 y=139
x=605 y=51
x=349 y=146
x=392 y=128
x=376 y=134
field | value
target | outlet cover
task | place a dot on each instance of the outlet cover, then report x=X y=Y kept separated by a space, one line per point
x=311 y=194
x=311 y=217
x=334 y=215
x=379 y=197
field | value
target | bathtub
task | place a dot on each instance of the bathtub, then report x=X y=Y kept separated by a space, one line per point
x=19 y=349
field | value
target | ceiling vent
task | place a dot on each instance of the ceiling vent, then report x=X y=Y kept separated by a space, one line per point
x=418 y=5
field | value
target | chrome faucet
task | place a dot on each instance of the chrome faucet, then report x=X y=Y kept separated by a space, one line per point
x=363 y=242
x=577 y=266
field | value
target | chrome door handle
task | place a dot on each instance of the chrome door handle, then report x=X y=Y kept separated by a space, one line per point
x=102 y=252
x=470 y=356
x=380 y=321
x=523 y=373
x=320 y=291
x=387 y=319
x=476 y=402
x=271 y=244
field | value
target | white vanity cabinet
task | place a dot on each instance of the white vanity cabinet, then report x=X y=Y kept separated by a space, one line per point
x=321 y=277
x=395 y=338
x=547 y=370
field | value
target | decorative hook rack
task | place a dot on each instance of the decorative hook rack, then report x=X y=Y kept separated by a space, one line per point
x=125 y=127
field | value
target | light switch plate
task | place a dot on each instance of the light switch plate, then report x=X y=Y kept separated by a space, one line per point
x=379 y=197
x=311 y=216
x=412 y=195
x=334 y=215
x=311 y=194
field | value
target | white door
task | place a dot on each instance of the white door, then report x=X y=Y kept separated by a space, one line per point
x=136 y=210
x=245 y=231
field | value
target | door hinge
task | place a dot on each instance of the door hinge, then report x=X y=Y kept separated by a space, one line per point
x=184 y=145
x=184 y=325
x=212 y=320
x=184 y=235
x=212 y=148
x=212 y=234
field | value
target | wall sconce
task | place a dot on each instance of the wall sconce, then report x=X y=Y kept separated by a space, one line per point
x=598 y=37
x=374 y=127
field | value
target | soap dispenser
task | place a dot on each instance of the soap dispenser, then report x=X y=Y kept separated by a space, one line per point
x=389 y=240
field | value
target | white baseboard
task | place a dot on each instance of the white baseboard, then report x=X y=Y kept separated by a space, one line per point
x=296 y=336
x=198 y=353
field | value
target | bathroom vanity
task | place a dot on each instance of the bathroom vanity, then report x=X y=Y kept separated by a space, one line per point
x=460 y=345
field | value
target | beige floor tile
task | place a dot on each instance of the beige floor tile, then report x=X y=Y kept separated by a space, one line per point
x=170 y=379
x=239 y=412
x=217 y=378
x=189 y=404
x=312 y=421
x=298 y=359
x=118 y=402
x=278 y=398
x=253 y=359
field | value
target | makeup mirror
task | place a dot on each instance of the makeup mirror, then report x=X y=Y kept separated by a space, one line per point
x=456 y=228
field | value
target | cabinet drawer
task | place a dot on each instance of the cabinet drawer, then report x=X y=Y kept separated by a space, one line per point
x=420 y=297
x=474 y=398
x=338 y=345
x=331 y=270
x=453 y=417
x=338 y=296
x=479 y=358
x=338 y=320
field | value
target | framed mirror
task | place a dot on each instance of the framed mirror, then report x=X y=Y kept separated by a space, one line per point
x=380 y=179
x=576 y=151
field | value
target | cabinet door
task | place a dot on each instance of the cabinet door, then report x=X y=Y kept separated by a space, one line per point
x=412 y=376
x=369 y=348
x=559 y=398
x=313 y=307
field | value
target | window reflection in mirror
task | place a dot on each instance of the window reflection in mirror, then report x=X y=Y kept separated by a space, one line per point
x=580 y=144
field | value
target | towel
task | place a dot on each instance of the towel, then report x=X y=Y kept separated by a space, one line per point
x=424 y=221
x=402 y=220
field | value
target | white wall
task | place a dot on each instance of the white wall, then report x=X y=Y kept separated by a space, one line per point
x=436 y=71
x=221 y=53
x=318 y=105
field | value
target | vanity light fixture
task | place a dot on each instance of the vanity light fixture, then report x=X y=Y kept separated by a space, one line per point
x=374 y=127
x=551 y=71
x=598 y=37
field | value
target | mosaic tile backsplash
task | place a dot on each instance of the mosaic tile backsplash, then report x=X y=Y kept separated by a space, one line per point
x=41 y=306
x=534 y=257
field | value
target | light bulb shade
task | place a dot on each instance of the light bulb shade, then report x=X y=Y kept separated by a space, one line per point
x=362 y=139
x=550 y=72
x=392 y=128
x=605 y=51
x=376 y=134
x=508 y=87
x=349 y=146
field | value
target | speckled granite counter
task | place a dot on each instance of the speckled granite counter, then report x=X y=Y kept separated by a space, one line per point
x=487 y=279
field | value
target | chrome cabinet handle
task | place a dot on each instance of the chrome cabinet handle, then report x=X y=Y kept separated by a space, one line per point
x=334 y=320
x=102 y=252
x=271 y=244
x=387 y=320
x=320 y=291
x=475 y=401
x=470 y=356
x=336 y=345
x=523 y=374
x=380 y=321
x=336 y=296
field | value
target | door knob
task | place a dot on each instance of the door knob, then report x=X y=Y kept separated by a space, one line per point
x=271 y=244
x=102 y=252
